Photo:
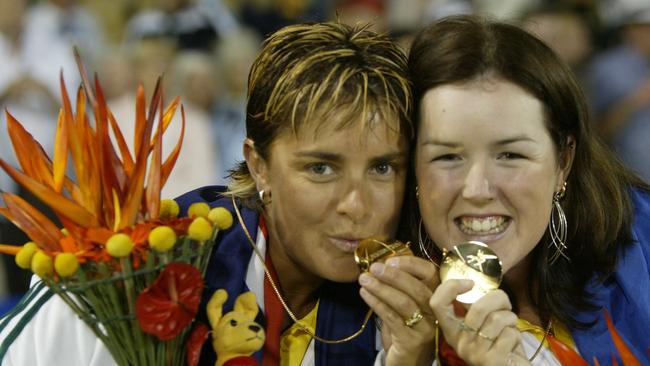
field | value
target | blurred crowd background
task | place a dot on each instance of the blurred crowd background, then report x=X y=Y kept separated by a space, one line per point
x=204 y=49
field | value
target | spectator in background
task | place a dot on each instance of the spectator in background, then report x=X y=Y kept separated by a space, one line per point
x=28 y=85
x=267 y=16
x=618 y=82
x=150 y=58
x=235 y=55
x=438 y=9
x=51 y=29
x=363 y=12
x=191 y=24
x=193 y=79
x=564 y=29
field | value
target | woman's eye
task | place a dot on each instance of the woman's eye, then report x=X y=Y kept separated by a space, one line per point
x=320 y=169
x=447 y=157
x=384 y=168
x=510 y=156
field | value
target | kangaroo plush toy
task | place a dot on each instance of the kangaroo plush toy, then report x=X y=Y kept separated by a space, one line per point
x=235 y=335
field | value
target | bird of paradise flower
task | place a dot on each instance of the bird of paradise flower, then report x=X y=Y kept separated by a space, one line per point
x=110 y=193
x=114 y=200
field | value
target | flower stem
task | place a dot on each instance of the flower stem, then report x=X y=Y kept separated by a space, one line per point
x=129 y=289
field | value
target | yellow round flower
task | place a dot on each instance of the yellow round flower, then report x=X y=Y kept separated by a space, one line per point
x=162 y=238
x=42 y=264
x=65 y=232
x=24 y=256
x=198 y=209
x=200 y=229
x=221 y=217
x=119 y=245
x=66 y=264
x=169 y=209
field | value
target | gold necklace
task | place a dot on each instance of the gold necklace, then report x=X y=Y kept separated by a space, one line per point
x=267 y=273
x=546 y=333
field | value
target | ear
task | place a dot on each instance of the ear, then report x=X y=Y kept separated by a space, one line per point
x=257 y=166
x=246 y=303
x=566 y=161
x=215 y=307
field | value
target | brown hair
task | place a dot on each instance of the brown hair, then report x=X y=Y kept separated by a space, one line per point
x=307 y=72
x=597 y=203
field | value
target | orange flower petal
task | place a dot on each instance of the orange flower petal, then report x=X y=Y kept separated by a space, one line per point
x=60 y=152
x=133 y=198
x=9 y=249
x=98 y=235
x=67 y=107
x=84 y=76
x=30 y=153
x=58 y=203
x=68 y=244
x=154 y=178
x=127 y=160
x=36 y=225
x=173 y=156
x=140 y=118
x=167 y=117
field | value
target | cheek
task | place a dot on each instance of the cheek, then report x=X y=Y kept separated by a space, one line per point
x=436 y=196
x=297 y=203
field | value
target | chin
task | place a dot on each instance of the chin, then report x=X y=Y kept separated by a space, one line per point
x=341 y=275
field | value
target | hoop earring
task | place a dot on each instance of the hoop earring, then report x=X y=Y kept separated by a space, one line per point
x=558 y=227
x=425 y=247
x=417 y=194
x=264 y=202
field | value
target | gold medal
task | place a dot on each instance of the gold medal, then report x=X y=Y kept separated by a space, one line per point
x=373 y=250
x=474 y=261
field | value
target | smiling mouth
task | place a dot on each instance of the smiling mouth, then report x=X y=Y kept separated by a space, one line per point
x=477 y=226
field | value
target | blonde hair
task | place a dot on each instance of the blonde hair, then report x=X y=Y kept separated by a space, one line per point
x=307 y=72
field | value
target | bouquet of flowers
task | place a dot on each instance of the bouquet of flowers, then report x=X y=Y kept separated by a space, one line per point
x=123 y=260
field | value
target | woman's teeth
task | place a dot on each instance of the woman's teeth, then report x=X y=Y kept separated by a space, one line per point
x=482 y=226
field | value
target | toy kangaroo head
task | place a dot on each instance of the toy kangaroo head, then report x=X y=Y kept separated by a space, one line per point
x=236 y=333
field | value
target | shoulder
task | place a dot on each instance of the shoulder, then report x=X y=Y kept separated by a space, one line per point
x=31 y=334
x=215 y=196
x=641 y=224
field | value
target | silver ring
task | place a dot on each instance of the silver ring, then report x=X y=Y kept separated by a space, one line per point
x=480 y=334
x=413 y=319
x=464 y=327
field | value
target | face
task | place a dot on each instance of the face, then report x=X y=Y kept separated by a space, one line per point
x=486 y=167
x=328 y=191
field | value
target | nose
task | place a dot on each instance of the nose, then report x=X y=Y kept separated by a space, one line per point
x=477 y=186
x=353 y=202
x=254 y=328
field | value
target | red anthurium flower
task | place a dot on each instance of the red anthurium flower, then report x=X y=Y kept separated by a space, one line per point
x=169 y=305
x=194 y=344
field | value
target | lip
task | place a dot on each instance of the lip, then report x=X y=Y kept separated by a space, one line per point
x=345 y=243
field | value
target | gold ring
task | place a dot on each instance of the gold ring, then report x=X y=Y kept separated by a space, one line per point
x=485 y=337
x=413 y=319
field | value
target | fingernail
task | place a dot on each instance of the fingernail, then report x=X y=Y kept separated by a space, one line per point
x=393 y=262
x=377 y=268
x=364 y=279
